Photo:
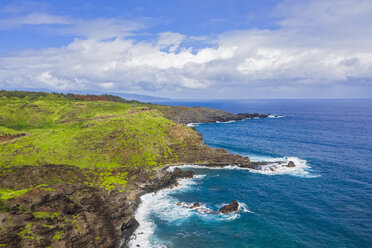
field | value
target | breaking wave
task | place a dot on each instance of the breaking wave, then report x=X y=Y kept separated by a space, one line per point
x=275 y=116
x=225 y=122
x=192 y=124
x=275 y=166
x=163 y=205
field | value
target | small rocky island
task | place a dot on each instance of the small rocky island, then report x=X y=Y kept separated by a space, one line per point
x=227 y=209
x=73 y=167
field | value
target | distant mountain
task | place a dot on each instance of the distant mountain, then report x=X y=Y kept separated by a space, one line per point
x=126 y=96
x=142 y=98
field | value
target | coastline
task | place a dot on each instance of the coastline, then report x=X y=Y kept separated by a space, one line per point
x=167 y=178
x=164 y=179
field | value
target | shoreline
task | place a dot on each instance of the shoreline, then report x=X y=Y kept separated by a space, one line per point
x=166 y=178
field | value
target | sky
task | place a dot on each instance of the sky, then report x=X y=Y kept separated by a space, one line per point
x=220 y=49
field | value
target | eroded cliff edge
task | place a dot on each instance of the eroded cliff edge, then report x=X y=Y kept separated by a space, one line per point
x=72 y=167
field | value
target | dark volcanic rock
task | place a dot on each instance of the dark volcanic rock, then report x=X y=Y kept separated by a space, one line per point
x=291 y=164
x=177 y=172
x=230 y=208
x=196 y=152
x=128 y=227
x=87 y=216
x=166 y=179
x=195 y=205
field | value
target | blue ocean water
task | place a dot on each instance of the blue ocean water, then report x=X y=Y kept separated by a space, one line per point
x=325 y=202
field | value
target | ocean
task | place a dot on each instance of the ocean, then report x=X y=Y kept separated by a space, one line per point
x=325 y=201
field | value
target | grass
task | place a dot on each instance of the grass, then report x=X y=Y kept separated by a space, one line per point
x=45 y=215
x=86 y=134
x=26 y=232
x=136 y=139
x=8 y=132
x=6 y=194
x=57 y=236
x=100 y=137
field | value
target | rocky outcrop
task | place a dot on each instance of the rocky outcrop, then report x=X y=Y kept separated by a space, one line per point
x=230 y=208
x=66 y=216
x=197 y=152
x=291 y=164
x=197 y=207
x=185 y=115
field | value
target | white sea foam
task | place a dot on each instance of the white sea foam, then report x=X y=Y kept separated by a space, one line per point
x=276 y=166
x=166 y=207
x=159 y=203
x=192 y=124
x=225 y=122
x=232 y=121
x=244 y=208
x=199 y=176
x=202 y=208
x=275 y=116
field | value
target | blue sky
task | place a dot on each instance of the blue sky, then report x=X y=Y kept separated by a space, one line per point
x=192 y=17
x=189 y=49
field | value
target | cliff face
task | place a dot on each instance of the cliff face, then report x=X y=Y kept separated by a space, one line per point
x=72 y=171
x=73 y=214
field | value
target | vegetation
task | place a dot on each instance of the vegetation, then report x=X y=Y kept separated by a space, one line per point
x=6 y=194
x=88 y=144
x=86 y=134
x=45 y=215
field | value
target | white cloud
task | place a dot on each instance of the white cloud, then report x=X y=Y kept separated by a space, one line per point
x=33 y=19
x=102 y=28
x=170 y=41
x=317 y=43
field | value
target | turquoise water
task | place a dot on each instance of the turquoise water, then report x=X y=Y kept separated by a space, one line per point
x=325 y=202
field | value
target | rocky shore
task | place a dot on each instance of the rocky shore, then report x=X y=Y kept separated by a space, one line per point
x=89 y=216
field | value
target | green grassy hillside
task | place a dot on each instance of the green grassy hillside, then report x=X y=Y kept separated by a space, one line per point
x=104 y=138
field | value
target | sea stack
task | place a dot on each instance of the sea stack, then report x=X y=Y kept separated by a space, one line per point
x=229 y=208
x=291 y=164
